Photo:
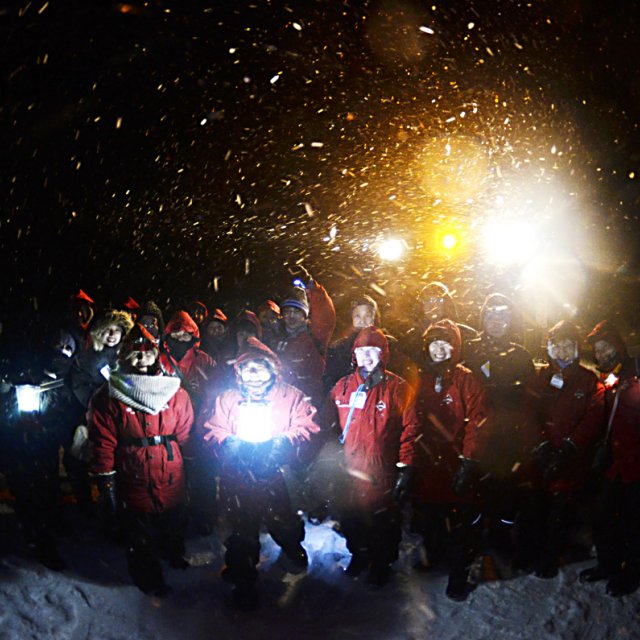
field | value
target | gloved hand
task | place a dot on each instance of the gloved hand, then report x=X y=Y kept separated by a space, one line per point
x=107 y=498
x=465 y=476
x=559 y=460
x=272 y=457
x=542 y=453
x=403 y=484
x=232 y=450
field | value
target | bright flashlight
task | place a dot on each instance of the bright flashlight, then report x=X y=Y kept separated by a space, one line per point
x=510 y=241
x=391 y=249
x=449 y=241
x=254 y=422
x=28 y=398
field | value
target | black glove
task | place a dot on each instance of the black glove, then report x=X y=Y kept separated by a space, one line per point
x=559 y=460
x=270 y=456
x=232 y=450
x=404 y=480
x=465 y=476
x=542 y=453
x=107 y=499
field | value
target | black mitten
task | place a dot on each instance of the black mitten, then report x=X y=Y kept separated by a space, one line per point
x=404 y=480
x=560 y=460
x=465 y=477
x=107 y=498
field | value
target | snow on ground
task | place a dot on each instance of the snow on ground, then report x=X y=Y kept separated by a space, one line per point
x=93 y=600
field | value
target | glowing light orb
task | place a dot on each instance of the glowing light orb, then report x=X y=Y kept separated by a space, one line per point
x=449 y=241
x=510 y=241
x=391 y=249
x=254 y=422
x=28 y=398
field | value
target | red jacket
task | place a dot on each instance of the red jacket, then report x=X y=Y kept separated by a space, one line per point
x=303 y=356
x=381 y=433
x=452 y=409
x=625 y=428
x=196 y=366
x=576 y=411
x=146 y=479
x=290 y=414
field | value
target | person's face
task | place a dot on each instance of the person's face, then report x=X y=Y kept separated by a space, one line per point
x=181 y=336
x=111 y=335
x=268 y=318
x=242 y=336
x=150 y=323
x=198 y=315
x=563 y=350
x=141 y=361
x=440 y=350
x=497 y=321
x=294 y=319
x=367 y=358
x=605 y=355
x=255 y=375
x=216 y=329
x=362 y=316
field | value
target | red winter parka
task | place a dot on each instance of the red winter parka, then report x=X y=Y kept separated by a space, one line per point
x=303 y=356
x=452 y=412
x=382 y=430
x=196 y=365
x=570 y=405
x=149 y=478
x=290 y=414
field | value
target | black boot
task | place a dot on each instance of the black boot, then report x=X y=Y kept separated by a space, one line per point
x=458 y=587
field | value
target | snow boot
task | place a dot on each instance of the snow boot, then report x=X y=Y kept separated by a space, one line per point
x=458 y=587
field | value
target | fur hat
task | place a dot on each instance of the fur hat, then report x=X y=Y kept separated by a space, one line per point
x=120 y=318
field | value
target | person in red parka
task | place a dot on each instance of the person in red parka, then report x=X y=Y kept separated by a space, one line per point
x=309 y=319
x=198 y=372
x=452 y=409
x=617 y=511
x=375 y=414
x=256 y=427
x=181 y=355
x=138 y=423
x=570 y=401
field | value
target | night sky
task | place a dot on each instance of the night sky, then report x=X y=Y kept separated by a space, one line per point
x=169 y=149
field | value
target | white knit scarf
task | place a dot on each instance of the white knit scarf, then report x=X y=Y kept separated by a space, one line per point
x=149 y=394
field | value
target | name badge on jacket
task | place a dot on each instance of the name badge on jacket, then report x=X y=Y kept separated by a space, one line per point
x=357 y=400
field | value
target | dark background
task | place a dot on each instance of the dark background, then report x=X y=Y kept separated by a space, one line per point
x=148 y=148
